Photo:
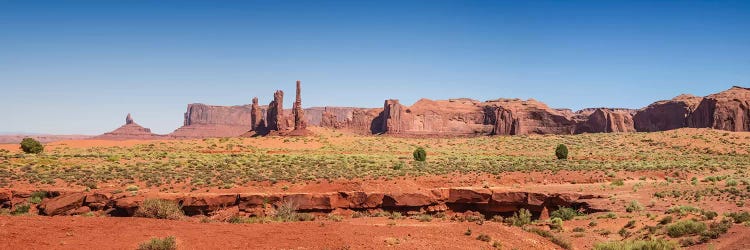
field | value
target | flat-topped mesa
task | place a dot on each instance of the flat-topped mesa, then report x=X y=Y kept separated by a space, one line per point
x=299 y=114
x=275 y=113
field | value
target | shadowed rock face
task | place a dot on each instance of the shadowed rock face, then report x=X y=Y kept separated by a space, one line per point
x=256 y=116
x=666 y=115
x=727 y=110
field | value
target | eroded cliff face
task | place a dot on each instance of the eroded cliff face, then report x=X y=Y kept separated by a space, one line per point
x=203 y=120
x=666 y=115
x=726 y=110
x=605 y=120
x=464 y=117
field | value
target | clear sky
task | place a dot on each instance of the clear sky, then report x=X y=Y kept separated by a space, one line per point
x=80 y=66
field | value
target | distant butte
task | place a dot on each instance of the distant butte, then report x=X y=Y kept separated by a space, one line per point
x=129 y=131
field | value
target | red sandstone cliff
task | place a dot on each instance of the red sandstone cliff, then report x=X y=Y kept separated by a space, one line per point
x=726 y=110
x=666 y=115
x=203 y=120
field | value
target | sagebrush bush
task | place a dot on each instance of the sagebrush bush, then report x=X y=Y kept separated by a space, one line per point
x=520 y=218
x=420 y=154
x=685 y=227
x=31 y=146
x=654 y=244
x=159 y=209
x=564 y=213
x=168 y=243
x=561 y=152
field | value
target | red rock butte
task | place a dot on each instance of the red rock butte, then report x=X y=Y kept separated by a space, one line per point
x=727 y=110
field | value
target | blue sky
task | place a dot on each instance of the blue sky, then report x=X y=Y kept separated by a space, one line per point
x=80 y=66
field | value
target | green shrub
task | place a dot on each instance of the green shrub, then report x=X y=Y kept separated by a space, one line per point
x=159 y=209
x=666 y=220
x=556 y=224
x=420 y=154
x=564 y=213
x=685 y=227
x=21 y=209
x=715 y=229
x=618 y=182
x=520 y=218
x=634 y=206
x=31 y=146
x=739 y=217
x=654 y=244
x=37 y=197
x=167 y=243
x=561 y=152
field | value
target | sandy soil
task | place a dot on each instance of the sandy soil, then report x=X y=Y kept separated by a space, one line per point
x=361 y=233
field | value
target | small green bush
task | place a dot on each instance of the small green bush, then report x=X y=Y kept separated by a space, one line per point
x=520 y=218
x=739 y=217
x=654 y=244
x=168 y=243
x=561 y=152
x=556 y=223
x=420 y=154
x=159 y=209
x=564 y=213
x=685 y=227
x=634 y=206
x=31 y=146
x=21 y=209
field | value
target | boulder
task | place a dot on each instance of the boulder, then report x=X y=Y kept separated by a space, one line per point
x=62 y=204
x=98 y=200
x=194 y=204
x=408 y=200
x=310 y=201
x=127 y=206
x=469 y=195
x=249 y=202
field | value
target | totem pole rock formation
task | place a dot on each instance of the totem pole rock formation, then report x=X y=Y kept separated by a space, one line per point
x=256 y=116
x=128 y=119
x=299 y=114
x=275 y=114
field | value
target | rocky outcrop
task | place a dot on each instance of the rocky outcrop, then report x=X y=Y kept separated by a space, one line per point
x=457 y=199
x=275 y=114
x=727 y=110
x=256 y=116
x=605 y=120
x=62 y=204
x=300 y=123
x=203 y=120
x=666 y=115
x=129 y=131
x=463 y=117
